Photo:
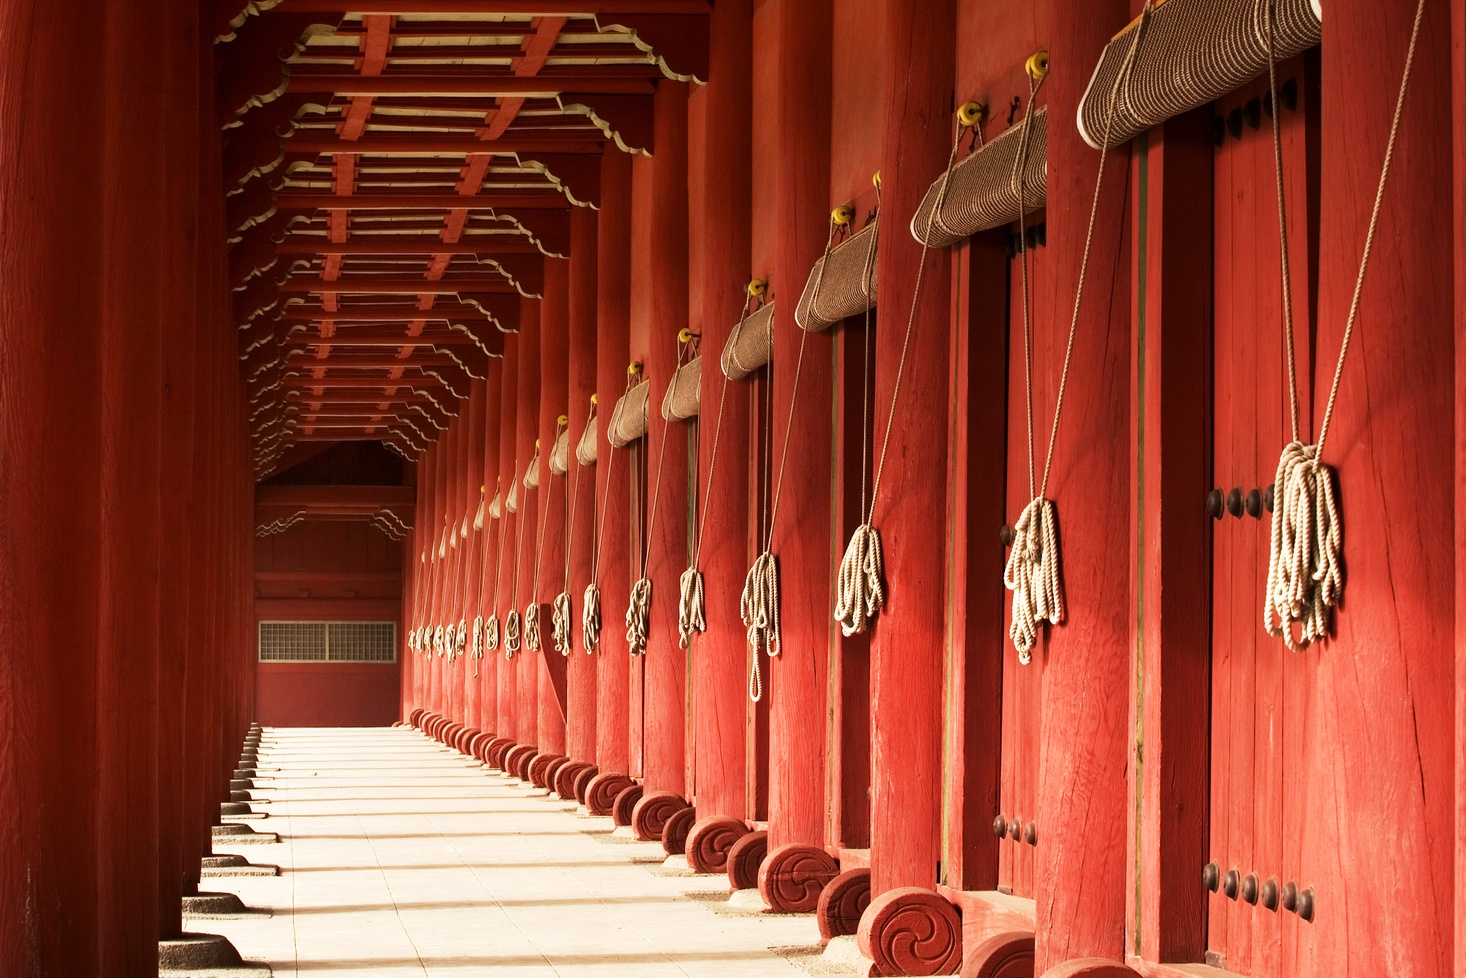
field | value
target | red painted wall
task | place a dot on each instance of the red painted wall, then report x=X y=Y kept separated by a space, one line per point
x=328 y=571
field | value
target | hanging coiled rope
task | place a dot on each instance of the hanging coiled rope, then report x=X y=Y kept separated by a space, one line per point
x=638 y=609
x=491 y=624
x=590 y=605
x=860 y=589
x=560 y=616
x=758 y=606
x=532 y=610
x=1305 y=577
x=1033 y=570
x=691 y=601
x=512 y=625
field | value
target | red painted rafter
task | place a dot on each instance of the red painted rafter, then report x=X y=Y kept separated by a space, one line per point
x=396 y=244
x=529 y=7
x=626 y=80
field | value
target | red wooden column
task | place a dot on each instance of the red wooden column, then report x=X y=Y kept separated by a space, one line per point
x=1458 y=156
x=908 y=644
x=502 y=596
x=1082 y=796
x=49 y=397
x=613 y=338
x=1381 y=717
x=473 y=554
x=437 y=561
x=526 y=666
x=581 y=384
x=128 y=479
x=547 y=574
x=720 y=653
x=488 y=680
x=798 y=867
x=665 y=662
x=453 y=559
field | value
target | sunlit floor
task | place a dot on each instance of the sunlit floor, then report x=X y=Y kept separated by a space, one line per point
x=400 y=857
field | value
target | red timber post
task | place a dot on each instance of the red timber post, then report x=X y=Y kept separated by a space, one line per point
x=797 y=867
x=580 y=721
x=909 y=639
x=526 y=667
x=448 y=572
x=725 y=202
x=502 y=594
x=128 y=546
x=664 y=703
x=437 y=564
x=613 y=350
x=1082 y=794
x=548 y=567
x=1170 y=403
x=473 y=550
x=1381 y=716
x=493 y=534
x=1458 y=156
x=49 y=397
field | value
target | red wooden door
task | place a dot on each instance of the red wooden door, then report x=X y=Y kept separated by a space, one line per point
x=1022 y=684
x=1258 y=689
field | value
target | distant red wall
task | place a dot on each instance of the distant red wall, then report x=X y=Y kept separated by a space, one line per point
x=328 y=571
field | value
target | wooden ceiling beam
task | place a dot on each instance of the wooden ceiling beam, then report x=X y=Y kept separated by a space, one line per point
x=524 y=7
x=306 y=142
x=620 y=80
x=385 y=314
x=396 y=286
x=400 y=244
x=553 y=200
x=349 y=339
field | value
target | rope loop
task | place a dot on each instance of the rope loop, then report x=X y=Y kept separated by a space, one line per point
x=511 y=634
x=560 y=620
x=1305 y=574
x=1032 y=574
x=691 y=608
x=759 y=606
x=861 y=592
x=590 y=619
x=491 y=632
x=638 y=616
x=532 y=627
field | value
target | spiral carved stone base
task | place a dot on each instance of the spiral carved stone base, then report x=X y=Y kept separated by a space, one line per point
x=1091 y=968
x=552 y=771
x=674 y=833
x=523 y=761
x=842 y=903
x=495 y=751
x=744 y=859
x=625 y=804
x=476 y=743
x=911 y=931
x=709 y=841
x=538 y=770
x=601 y=792
x=1008 y=955
x=650 y=813
x=793 y=876
x=515 y=757
x=565 y=778
x=583 y=781
x=415 y=717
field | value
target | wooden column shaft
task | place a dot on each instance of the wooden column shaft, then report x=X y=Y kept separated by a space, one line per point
x=580 y=385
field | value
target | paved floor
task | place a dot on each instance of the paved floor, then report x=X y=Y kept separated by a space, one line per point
x=399 y=857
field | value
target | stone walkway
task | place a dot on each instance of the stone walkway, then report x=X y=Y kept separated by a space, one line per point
x=399 y=857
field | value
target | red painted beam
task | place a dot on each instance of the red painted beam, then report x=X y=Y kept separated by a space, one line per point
x=348 y=339
x=400 y=244
x=396 y=286
x=309 y=143
x=421 y=202
x=384 y=314
x=526 y=7
x=477 y=83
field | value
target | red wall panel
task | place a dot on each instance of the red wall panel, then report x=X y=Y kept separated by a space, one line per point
x=327 y=694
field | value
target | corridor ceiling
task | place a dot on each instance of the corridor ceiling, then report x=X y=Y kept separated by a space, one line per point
x=397 y=171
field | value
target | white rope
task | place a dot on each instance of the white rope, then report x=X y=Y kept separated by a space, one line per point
x=1032 y=575
x=476 y=650
x=491 y=632
x=638 y=616
x=491 y=626
x=1305 y=579
x=560 y=622
x=691 y=608
x=590 y=618
x=759 y=609
x=511 y=634
x=532 y=626
x=860 y=593
x=1033 y=569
